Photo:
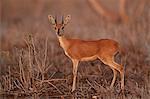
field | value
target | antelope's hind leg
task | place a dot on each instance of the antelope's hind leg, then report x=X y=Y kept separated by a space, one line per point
x=114 y=78
x=115 y=67
x=120 y=68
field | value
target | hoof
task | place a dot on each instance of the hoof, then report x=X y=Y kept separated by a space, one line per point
x=73 y=89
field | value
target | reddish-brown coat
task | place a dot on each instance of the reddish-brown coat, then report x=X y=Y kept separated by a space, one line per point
x=78 y=49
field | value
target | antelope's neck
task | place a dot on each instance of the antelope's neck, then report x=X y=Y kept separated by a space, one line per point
x=64 y=43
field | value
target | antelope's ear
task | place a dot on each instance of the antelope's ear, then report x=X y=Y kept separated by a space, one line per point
x=67 y=19
x=51 y=19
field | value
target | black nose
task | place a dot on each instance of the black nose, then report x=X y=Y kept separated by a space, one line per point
x=58 y=32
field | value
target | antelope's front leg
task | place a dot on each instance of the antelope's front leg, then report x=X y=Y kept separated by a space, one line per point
x=75 y=69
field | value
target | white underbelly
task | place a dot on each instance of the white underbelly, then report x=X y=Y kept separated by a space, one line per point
x=85 y=58
x=89 y=58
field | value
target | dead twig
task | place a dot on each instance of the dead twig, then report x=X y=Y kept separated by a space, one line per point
x=49 y=82
x=55 y=87
x=101 y=10
x=91 y=85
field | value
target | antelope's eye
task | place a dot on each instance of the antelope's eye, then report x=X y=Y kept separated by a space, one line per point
x=55 y=28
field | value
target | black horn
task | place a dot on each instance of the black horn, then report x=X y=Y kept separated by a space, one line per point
x=62 y=19
x=55 y=19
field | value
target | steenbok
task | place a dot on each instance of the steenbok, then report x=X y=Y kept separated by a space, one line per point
x=81 y=50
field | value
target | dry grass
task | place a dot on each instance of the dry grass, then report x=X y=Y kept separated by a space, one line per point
x=34 y=66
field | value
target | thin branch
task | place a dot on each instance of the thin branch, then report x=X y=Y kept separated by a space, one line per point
x=28 y=42
x=101 y=10
x=140 y=8
x=52 y=75
x=22 y=73
x=17 y=85
x=45 y=55
x=9 y=78
x=100 y=86
x=48 y=67
x=35 y=56
x=90 y=84
x=122 y=9
x=54 y=87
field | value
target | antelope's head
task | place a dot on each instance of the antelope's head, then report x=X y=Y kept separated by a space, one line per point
x=59 y=27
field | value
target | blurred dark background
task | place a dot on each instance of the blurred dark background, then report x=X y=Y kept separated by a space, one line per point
x=24 y=16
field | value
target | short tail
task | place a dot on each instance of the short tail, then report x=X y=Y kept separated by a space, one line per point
x=124 y=56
